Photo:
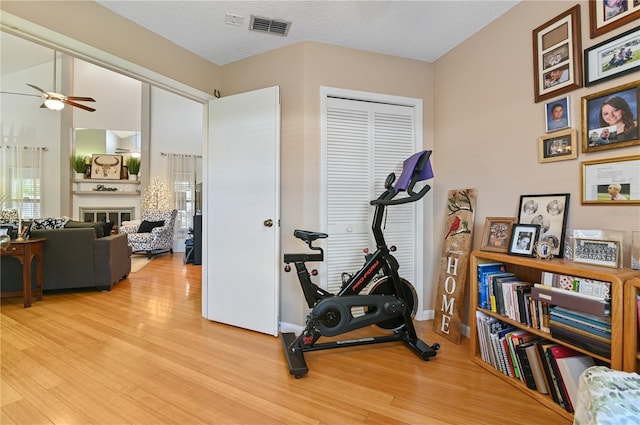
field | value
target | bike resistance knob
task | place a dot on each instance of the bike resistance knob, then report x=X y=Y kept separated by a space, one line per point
x=287 y=268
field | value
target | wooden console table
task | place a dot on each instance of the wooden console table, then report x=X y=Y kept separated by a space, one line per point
x=26 y=251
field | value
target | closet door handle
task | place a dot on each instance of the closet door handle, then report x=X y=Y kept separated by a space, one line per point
x=268 y=223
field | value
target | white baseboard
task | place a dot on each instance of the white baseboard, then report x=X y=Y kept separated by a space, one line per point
x=290 y=327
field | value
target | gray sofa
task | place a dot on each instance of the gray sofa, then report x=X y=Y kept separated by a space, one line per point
x=75 y=257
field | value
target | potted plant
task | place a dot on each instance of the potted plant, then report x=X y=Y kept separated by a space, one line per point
x=133 y=166
x=79 y=166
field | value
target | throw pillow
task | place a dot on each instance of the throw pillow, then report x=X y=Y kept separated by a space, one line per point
x=48 y=223
x=148 y=226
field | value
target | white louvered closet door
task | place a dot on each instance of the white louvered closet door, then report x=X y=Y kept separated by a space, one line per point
x=365 y=141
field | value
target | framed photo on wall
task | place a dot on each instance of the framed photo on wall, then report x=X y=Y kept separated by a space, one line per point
x=497 y=232
x=613 y=58
x=558 y=146
x=557 y=114
x=550 y=212
x=610 y=118
x=606 y=15
x=611 y=181
x=104 y=166
x=557 y=55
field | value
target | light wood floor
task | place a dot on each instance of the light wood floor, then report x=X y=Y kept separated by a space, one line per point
x=142 y=354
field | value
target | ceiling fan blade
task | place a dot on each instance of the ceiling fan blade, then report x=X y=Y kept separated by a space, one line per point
x=77 y=105
x=20 y=94
x=43 y=106
x=37 y=88
x=82 y=99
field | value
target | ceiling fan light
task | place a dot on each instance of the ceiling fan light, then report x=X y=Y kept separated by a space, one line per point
x=54 y=104
x=136 y=154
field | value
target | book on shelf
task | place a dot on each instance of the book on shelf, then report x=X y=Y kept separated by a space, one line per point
x=638 y=310
x=552 y=379
x=571 y=300
x=535 y=363
x=485 y=269
x=570 y=368
x=492 y=288
x=498 y=295
x=582 y=285
x=514 y=339
x=579 y=327
x=526 y=372
x=587 y=342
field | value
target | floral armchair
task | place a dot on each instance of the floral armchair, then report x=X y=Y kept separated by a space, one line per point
x=152 y=234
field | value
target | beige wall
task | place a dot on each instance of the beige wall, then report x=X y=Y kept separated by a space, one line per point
x=487 y=125
x=479 y=113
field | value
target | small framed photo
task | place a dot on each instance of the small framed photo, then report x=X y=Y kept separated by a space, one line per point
x=523 y=239
x=557 y=114
x=105 y=166
x=558 y=147
x=606 y=15
x=597 y=252
x=610 y=118
x=497 y=231
x=550 y=212
x=557 y=55
x=613 y=58
x=611 y=181
x=543 y=250
x=26 y=231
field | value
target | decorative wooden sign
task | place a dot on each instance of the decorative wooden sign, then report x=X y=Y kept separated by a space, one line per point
x=454 y=263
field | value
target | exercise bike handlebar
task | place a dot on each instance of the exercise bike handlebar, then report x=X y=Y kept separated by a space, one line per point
x=418 y=173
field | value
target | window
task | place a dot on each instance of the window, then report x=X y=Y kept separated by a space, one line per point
x=182 y=175
x=21 y=177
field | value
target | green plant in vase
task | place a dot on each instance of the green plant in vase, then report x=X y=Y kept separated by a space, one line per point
x=133 y=166
x=79 y=165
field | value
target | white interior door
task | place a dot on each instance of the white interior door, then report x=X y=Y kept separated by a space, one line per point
x=241 y=250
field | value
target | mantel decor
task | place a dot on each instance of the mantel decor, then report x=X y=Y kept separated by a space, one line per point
x=610 y=118
x=105 y=166
x=613 y=58
x=611 y=181
x=557 y=55
x=606 y=15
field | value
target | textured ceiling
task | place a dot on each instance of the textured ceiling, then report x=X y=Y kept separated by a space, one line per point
x=423 y=30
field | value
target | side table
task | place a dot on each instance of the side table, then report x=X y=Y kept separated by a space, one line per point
x=26 y=251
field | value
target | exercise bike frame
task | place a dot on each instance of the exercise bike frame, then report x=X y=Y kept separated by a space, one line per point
x=380 y=260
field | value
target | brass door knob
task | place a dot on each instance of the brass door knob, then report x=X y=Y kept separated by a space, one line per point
x=268 y=223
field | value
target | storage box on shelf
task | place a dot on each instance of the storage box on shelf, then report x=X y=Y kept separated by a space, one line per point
x=531 y=270
x=631 y=326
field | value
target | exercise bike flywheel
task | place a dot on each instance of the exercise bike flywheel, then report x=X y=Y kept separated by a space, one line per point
x=384 y=286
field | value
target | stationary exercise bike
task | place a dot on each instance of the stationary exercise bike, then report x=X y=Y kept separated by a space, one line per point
x=390 y=302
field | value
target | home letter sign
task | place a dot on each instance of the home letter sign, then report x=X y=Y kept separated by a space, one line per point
x=454 y=263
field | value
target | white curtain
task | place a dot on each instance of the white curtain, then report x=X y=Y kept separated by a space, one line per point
x=21 y=174
x=182 y=181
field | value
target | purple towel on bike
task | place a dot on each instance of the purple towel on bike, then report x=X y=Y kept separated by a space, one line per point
x=408 y=168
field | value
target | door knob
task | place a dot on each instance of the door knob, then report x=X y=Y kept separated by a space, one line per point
x=268 y=223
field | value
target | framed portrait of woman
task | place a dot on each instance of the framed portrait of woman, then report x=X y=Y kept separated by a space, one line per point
x=610 y=118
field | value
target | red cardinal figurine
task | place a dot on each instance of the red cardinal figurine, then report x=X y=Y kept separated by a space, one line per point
x=454 y=226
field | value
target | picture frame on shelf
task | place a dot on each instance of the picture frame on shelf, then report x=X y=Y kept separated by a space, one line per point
x=559 y=146
x=523 y=239
x=556 y=115
x=605 y=112
x=550 y=212
x=607 y=15
x=612 y=58
x=497 y=232
x=557 y=55
x=597 y=252
x=614 y=181
x=105 y=166
x=593 y=234
x=543 y=250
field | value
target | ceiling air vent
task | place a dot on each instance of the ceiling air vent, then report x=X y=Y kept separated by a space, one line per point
x=271 y=26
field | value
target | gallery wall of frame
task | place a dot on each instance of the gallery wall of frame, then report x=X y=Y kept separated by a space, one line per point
x=609 y=116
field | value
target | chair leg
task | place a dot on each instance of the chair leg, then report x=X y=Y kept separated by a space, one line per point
x=149 y=255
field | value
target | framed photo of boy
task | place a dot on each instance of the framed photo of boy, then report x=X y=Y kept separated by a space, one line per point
x=613 y=58
x=550 y=212
x=557 y=114
x=557 y=55
x=606 y=15
x=558 y=146
x=610 y=118
x=497 y=232
x=611 y=181
x=523 y=239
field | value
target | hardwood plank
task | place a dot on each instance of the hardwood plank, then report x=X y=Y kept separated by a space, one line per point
x=143 y=354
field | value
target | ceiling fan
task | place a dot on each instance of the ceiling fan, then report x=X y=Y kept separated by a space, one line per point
x=56 y=101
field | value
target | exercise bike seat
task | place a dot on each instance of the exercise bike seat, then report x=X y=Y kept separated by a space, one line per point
x=308 y=236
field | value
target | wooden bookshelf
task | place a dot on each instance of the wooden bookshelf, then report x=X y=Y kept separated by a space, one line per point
x=631 y=348
x=530 y=269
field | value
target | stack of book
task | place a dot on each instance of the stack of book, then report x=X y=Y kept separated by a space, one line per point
x=588 y=331
x=542 y=365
